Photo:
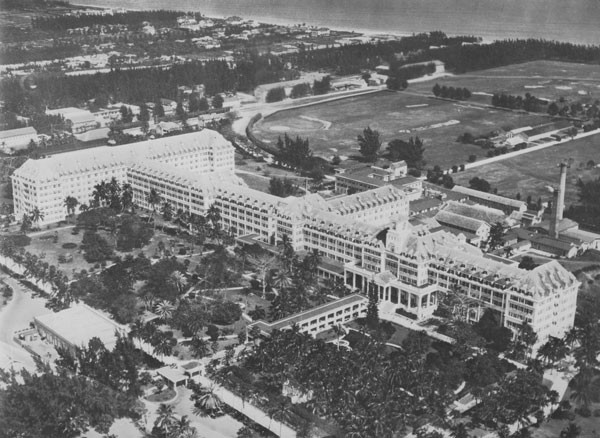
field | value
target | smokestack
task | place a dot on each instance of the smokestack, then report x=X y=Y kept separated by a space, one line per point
x=561 y=191
x=555 y=215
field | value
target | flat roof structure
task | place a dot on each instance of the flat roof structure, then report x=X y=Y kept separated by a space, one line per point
x=309 y=314
x=74 y=327
x=28 y=130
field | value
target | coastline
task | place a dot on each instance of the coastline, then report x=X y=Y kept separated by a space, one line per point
x=290 y=23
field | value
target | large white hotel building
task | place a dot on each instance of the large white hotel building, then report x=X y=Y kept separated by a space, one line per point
x=368 y=234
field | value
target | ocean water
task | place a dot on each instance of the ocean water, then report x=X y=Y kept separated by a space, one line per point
x=576 y=21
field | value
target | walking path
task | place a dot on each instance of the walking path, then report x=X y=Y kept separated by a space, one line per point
x=412 y=325
x=250 y=411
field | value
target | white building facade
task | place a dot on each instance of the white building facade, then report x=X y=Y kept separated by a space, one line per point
x=368 y=232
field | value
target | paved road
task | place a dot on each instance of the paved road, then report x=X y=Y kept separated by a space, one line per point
x=15 y=316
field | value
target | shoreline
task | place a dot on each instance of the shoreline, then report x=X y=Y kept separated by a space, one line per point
x=289 y=23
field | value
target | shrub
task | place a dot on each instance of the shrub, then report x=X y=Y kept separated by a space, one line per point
x=69 y=245
x=225 y=313
x=584 y=412
x=472 y=158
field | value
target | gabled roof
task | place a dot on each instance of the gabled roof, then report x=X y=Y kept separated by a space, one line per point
x=489 y=197
x=479 y=212
x=84 y=160
x=457 y=220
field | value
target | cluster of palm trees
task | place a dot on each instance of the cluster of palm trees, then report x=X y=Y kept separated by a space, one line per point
x=366 y=391
x=167 y=425
x=161 y=342
x=293 y=278
x=41 y=271
x=111 y=194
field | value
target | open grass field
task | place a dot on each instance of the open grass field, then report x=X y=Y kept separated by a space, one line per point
x=544 y=79
x=332 y=127
x=529 y=174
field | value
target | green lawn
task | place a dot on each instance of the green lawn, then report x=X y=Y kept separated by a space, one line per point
x=531 y=173
x=332 y=127
x=545 y=79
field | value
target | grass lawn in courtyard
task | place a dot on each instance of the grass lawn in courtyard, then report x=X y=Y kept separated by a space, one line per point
x=531 y=173
x=42 y=243
x=332 y=127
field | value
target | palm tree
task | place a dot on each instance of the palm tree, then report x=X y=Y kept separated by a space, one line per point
x=36 y=216
x=162 y=345
x=282 y=412
x=164 y=309
x=206 y=402
x=70 y=204
x=182 y=427
x=153 y=199
x=582 y=390
x=263 y=264
x=199 y=347
x=282 y=280
x=179 y=280
x=167 y=211
x=99 y=195
x=25 y=223
x=571 y=431
x=126 y=197
x=165 y=421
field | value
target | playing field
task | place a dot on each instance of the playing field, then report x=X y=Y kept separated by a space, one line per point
x=332 y=127
x=550 y=80
x=529 y=174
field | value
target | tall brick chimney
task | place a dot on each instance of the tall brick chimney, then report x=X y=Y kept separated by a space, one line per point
x=560 y=206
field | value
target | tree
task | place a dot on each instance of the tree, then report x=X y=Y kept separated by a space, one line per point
x=372 y=318
x=167 y=211
x=133 y=233
x=165 y=422
x=275 y=95
x=164 y=309
x=25 y=223
x=36 y=216
x=527 y=263
x=180 y=112
x=300 y=90
x=323 y=86
x=369 y=144
x=159 y=110
x=95 y=247
x=217 y=101
x=572 y=430
x=263 y=264
x=582 y=390
x=58 y=405
x=144 y=115
x=70 y=204
x=282 y=187
x=496 y=237
x=206 y=401
x=436 y=89
x=480 y=184
x=153 y=199
x=411 y=151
